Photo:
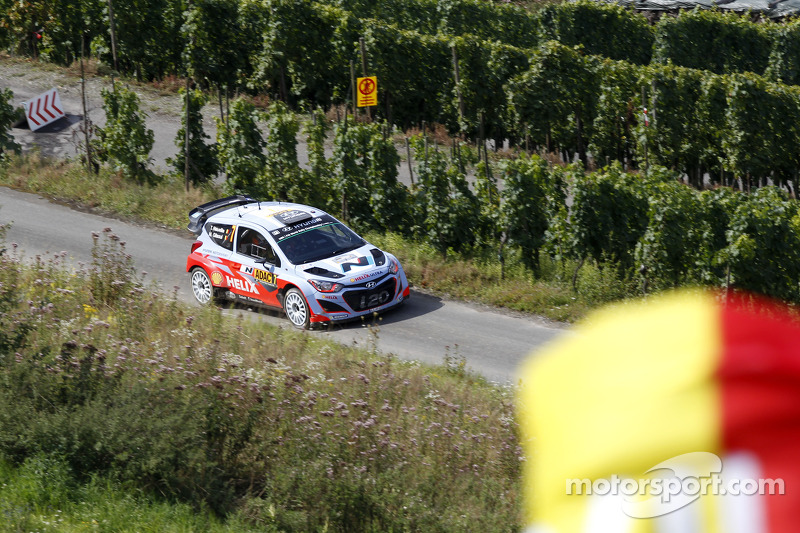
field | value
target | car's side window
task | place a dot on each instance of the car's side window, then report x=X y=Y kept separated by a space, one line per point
x=221 y=234
x=251 y=243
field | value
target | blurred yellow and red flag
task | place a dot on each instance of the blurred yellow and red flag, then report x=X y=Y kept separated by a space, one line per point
x=691 y=401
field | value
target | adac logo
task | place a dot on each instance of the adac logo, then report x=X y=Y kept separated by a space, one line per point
x=267 y=278
x=216 y=278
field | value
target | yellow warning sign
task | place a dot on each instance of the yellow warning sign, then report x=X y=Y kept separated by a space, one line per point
x=367 y=91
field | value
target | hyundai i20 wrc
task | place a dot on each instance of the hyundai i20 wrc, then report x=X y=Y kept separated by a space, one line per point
x=291 y=257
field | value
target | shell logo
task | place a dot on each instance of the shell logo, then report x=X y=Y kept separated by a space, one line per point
x=216 y=278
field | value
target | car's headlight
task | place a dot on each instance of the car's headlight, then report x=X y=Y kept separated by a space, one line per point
x=326 y=286
x=394 y=266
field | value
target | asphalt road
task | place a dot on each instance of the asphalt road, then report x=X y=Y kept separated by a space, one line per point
x=426 y=328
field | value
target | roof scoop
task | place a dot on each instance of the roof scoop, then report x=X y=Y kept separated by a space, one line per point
x=292 y=217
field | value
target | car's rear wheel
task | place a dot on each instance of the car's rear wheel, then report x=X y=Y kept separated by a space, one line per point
x=202 y=288
x=296 y=308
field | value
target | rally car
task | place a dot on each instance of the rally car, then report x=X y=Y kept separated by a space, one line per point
x=292 y=257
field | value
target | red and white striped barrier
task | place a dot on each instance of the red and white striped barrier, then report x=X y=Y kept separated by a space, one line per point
x=43 y=109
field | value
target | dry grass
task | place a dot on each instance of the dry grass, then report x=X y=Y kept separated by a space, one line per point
x=108 y=192
x=484 y=280
x=92 y=67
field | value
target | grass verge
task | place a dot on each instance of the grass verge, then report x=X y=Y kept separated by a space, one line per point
x=111 y=390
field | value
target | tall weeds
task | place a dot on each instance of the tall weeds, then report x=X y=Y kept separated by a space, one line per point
x=272 y=428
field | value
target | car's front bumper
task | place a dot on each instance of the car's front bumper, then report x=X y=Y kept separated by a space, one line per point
x=356 y=302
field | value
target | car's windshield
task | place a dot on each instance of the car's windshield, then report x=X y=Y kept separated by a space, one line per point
x=328 y=239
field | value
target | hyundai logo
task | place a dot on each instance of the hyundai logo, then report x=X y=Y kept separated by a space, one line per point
x=371 y=284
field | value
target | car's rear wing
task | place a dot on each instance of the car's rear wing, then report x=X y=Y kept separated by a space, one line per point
x=200 y=214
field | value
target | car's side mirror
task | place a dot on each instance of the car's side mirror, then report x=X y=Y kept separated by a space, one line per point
x=265 y=261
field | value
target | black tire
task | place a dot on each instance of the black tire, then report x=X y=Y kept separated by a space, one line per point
x=202 y=288
x=296 y=309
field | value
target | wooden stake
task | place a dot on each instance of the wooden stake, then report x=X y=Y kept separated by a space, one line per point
x=363 y=48
x=353 y=85
x=89 y=162
x=410 y=168
x=458 y=86
x=186 y=139
x=114 y=38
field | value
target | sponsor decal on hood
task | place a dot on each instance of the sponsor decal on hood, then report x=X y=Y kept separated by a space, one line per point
x=349 y=263
x=367 y=275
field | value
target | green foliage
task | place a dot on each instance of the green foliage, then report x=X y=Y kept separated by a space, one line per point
x=350 y=165
x=125 y=141
x=305 y=50
x=784 y=59
x=764 y=245
x=506 y=23
x=671 y=94
x=21 y=22
x=240 y=149
x=216 y=46
x=282 y=174
x=704 y=39
x=415 y=73
x=364 y=169
x=668 y=249
x=718 y=207
x=6 y=6
x=762 y=129
x=203 y=164
x=449 y=213
x=607 y=30
x=553 y=102
x=316 y=130
x=14 y=333
x=488 y=227
x=484 y=67
x=389 y=198
x=422 y=15
x=608 y=216
x=530 y=191
x=8 y=115
x=711 y=125
x=44 y=494
x=614 y=137
x=66 y=24
x=566 y=97
x=282 y=178
x=149 y=37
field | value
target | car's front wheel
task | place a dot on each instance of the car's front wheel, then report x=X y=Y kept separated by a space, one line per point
x=296 y=308
x=202 y=288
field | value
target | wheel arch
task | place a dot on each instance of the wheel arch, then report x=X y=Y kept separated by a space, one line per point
x=283 y=290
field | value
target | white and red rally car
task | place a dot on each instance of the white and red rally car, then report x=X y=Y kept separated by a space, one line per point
x=291 y=257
